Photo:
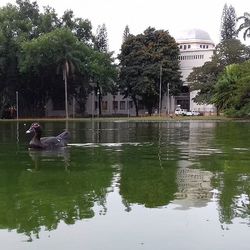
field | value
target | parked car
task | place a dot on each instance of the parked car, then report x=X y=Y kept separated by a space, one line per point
x=179 y=111
x=193 y=113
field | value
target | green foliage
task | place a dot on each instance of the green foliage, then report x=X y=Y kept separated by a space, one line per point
x=141 y=58
x=204 y=78
x=36 y=46
x=245 y=25
x=232 y=91
x=126 y=33
x=228 y=23
x=231 y=51
x=101 y=39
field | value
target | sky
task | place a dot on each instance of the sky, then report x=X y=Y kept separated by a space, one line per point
x=172 y=15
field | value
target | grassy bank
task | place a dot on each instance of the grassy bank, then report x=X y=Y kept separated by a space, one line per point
x=130 y=119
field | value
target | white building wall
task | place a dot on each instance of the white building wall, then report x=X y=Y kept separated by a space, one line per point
x=194 y=53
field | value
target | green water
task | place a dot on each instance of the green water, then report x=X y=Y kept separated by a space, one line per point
x=127 y=185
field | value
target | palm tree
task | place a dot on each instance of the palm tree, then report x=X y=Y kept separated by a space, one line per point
x=245 y=25
x=67 y=62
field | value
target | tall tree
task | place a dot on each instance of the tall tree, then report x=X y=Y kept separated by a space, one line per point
x=101 y=45
x=228 y=23
x=245 y=25
x=141 y=58
x=126 y=33
x=101 y=39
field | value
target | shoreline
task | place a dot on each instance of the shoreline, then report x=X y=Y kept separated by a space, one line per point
x=131 y=119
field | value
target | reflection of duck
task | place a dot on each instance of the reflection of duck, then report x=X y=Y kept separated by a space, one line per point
x=52 y=142
x=60 y=154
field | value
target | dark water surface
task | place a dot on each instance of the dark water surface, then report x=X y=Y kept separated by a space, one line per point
x=127 y=185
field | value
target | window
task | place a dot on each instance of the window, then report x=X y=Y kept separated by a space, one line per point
x=130 y=104
x=189 y=46
x=115 y=105
x=140 y=105
x=104 y=105
x=122 y=105
x=185 y=46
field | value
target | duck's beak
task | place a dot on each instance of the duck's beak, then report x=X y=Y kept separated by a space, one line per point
x=28 y=131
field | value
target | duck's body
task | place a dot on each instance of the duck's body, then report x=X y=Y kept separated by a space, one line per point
x=51 y=142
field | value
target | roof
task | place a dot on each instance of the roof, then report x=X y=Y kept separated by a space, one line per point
x=194 y=35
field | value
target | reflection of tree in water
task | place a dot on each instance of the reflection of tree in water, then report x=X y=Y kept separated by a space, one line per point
x=234 y=187
x=144 y=180
x=231 y=170
x=31 y=200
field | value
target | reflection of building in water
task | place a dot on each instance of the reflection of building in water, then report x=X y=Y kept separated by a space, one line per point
x=199 y=143
x=194 y=188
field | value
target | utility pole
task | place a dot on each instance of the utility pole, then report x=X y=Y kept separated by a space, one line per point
x=168 y=100
x=160 y=90
x=17 y=106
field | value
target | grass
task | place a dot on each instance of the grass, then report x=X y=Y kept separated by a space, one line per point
x=131 y=119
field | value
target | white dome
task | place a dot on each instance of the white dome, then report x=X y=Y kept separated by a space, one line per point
x=194 y=35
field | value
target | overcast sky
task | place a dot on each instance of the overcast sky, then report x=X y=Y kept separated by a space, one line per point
x=171 y=15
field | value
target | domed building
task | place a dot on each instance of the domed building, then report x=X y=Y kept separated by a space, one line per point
x=196 y=48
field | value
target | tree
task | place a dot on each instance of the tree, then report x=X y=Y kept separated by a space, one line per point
x=228 y=23
x=48 y=21
x=101 y=39
x=231 y=51
x=232 y=90
x=103 y=65
x=204 y=78
x=21 y=23
x=141 y=58
x=57 y=51
x=245 y=25
x=126 y=33
x=104 y=74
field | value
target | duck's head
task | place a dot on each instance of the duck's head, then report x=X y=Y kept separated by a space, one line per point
x=34 y=128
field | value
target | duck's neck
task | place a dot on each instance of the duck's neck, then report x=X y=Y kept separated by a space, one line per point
x=35 y=142
x=37 y=135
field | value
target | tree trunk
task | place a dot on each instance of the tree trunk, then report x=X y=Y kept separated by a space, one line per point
x=100 y=104
x=136 y=105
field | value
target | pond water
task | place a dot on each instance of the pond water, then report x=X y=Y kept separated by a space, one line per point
x=127 y=185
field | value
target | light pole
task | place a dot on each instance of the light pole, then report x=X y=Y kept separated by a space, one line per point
x=168 y=99
x=17 y=106
x=66 y=93
x=160 y=90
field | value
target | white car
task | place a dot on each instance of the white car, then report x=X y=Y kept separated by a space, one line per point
x=193 y=113
x=180 y=111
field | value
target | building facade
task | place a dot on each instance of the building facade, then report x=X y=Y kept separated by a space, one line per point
x=196 y=48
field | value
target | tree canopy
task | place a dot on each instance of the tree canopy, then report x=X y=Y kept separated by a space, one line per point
x=232 y=90
x=245 y=25
x=228 y=23
x=141 y=58
x=37 y=47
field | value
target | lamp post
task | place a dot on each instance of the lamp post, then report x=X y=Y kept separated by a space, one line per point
x=168 y=100
x=160 y=90
x=66 y=93
x=17 y=106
